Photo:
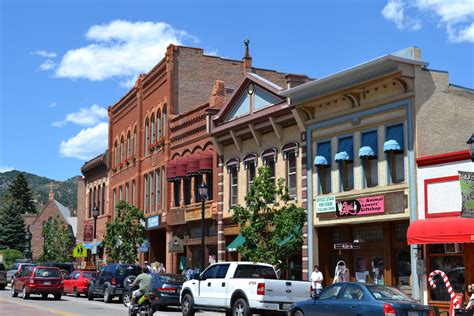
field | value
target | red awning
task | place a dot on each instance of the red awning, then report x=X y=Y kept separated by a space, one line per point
x=181 y=167
x=441 y=230
x=192 y=167
x=205 y=162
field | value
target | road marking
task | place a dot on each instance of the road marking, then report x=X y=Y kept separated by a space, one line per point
x=48 y=309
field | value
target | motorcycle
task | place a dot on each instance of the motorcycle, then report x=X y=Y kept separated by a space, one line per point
x=144 y=306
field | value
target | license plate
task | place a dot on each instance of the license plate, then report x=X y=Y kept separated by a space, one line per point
x=286 y=306
x=413 y=314
x=47 y=282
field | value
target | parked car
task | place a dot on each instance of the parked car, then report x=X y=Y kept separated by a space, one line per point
x=110 y=281
x=351 y=299
x=242 y=288
x=77 y=282
x=166 y=288
x=3 y=276
x=16 y=267
x=38 y=280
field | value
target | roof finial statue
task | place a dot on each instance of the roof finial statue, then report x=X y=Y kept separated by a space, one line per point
x=51 y=193
x=247 y=58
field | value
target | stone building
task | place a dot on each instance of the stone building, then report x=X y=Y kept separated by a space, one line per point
x=364 y=128
x=50 y=210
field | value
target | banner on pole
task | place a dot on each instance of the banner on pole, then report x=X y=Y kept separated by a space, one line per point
x=466 y=180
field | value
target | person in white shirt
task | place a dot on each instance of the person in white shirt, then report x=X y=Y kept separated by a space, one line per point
x=317 y=280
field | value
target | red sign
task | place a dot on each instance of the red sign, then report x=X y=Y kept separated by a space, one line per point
x=88 y=231
x=361 y=206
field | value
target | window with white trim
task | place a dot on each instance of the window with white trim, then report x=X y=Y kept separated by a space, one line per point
x=147 y=137
x=290 y=154
x=322 y=162
x=368 y=156
x=233 y=171
x=157 y=188
x=250 y=165
x=152 y=192
x=394 y=147
x=145 y=193
x=269 y=160
x=128 y=145
x=345 y=159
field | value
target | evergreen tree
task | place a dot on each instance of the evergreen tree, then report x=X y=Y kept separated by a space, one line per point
x=58 y=241
x=125 y=234
x=19 y=192
x=270 y=222
x=12 y=227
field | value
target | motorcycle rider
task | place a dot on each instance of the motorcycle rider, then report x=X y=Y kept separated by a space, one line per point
x=144 y=280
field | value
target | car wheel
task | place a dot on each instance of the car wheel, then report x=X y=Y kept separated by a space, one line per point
x=241 y=308
x=90 y=294
x=57 y=297
x=76 y=293
x=14 y=293
x=187 y=305
x=299 y=312
x=44 y=296
x=107 y=295
x=126 y=299
x=25 y=293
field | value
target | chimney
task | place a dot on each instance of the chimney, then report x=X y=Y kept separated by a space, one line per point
x=247 y=58
x=293 y=80
x=51 y=196
x=218 y=95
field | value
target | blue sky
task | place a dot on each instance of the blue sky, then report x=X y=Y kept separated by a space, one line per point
x=64 y=62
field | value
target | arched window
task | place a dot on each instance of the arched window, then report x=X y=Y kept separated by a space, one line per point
x=164 y=121
x=128 y=145
x=135 y=140
x=147 y=136
x=152 y=127
x=158 y=124
x=122 y=150
x=115 y=154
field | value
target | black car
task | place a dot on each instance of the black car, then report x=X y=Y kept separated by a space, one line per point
x=166 y=288
x=110 y=281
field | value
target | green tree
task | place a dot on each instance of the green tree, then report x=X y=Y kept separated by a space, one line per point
x=9 y=257
x=270 y=223
x=12 y=226
x=20 y=193
x=125 y=234
x=58 y=241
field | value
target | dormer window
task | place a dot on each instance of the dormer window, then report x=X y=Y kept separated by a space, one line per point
x=253 y=99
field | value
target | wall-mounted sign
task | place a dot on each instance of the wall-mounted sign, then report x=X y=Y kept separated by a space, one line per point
x=176 y=245
x=325 y=204
x=153 y=221
x=346 y=246
x=466 y=180
x=361 y=206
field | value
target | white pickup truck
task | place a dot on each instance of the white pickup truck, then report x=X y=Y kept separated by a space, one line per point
x=241 y=289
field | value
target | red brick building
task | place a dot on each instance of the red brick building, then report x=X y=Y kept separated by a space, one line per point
x=139 y=140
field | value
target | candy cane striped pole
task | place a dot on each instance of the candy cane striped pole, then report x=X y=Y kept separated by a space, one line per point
x=456 y=301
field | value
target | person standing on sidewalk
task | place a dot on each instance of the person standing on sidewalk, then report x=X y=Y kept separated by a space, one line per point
x=317 y=280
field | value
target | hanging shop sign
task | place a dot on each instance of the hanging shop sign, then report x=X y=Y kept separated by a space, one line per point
x=466 y=180
x=325 y=204
x=153 y=222
x=176 y=245
x=347 y=246
x=144 y=246
x=361 y=206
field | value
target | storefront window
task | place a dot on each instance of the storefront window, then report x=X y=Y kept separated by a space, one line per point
x=452 y=265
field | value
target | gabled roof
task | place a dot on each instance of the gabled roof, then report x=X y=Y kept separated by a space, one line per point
x=257 y=80
x=64 y=213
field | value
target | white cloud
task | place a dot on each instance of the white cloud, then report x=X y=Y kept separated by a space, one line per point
x=47 y=65
x=58 y=123
x=87 y=144
x=395 y=11
x=86 y=116
x=120 y=49
x=5 y=168
x=46 y=54
x=456 y=16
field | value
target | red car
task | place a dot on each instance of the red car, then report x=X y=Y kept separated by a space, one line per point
x=77 y=282
x=38 y=280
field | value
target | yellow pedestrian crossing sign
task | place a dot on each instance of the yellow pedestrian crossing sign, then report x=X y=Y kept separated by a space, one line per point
x=79 y=251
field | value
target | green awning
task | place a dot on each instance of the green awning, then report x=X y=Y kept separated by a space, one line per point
x=289 y=237
x=237 y=242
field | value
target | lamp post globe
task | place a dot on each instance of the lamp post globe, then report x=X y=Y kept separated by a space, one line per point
x=470 y=142
x=203 y=190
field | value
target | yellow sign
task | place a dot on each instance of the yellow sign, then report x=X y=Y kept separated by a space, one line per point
x=79 y=251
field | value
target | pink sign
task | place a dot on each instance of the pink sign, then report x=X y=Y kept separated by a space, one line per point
x=361 y=206
x=371 y=205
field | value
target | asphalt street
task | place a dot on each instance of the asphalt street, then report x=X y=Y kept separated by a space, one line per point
x=70 y=306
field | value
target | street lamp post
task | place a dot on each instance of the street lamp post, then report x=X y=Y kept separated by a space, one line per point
x=203 y=196
x=470 y=142
x=28 y=237
x=95 y=214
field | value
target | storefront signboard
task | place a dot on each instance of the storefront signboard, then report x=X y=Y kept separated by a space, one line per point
x=153 y=221
x=361 y=206
x=325 y=204
x=176 y=245
x=466 y=180
x=346 y=246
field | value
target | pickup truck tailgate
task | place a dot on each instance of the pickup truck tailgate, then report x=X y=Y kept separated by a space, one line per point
x=286 y=291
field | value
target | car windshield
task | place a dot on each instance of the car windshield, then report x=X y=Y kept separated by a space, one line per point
x=47 y=273
x=170 y=278
x=383 y=293
x=128 y=270
x=88 y=274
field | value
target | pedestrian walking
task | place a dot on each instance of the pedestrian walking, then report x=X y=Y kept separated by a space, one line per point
x=317 y=281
